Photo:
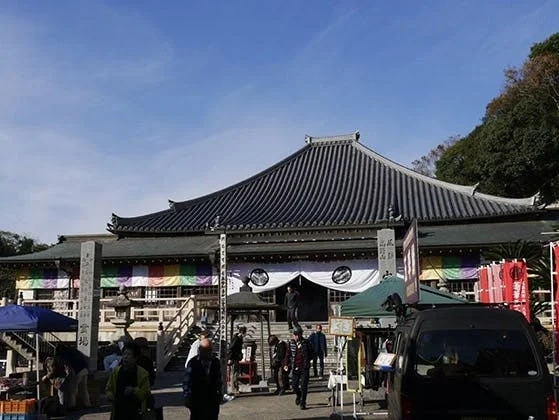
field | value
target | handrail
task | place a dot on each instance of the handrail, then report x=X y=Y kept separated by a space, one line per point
x=158 y=310
x=179 y=312
x=175 y=334
x=45 y=346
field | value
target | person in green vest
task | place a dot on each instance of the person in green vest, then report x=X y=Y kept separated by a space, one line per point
x=128 y=387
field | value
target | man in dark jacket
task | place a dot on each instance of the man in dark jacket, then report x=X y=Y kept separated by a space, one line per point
x=300 y=361
x=320 y=351
x=291 y=304
x=279 y=361
x=234 y=356
x=202 y=386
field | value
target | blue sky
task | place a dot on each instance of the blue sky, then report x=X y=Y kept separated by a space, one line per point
x=118 y=106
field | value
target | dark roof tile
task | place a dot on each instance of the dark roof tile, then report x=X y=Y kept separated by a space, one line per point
x=331 y=181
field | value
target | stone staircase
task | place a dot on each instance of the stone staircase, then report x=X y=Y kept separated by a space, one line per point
x=24 y=345
x=280 y=329
x=18 y=346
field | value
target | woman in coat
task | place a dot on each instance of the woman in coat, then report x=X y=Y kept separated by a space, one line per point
x=128 y=387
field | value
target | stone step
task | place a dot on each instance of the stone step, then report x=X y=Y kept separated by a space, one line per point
x=281 y=330
x=16 y=346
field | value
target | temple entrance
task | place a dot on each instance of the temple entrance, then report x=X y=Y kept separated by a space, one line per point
x=313 y=300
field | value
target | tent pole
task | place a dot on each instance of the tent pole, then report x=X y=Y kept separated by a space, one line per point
x=38 y=374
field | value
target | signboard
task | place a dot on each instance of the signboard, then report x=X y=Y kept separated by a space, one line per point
x=385 y=360
x=341 y=326
x=386 y=246
x=411 y=264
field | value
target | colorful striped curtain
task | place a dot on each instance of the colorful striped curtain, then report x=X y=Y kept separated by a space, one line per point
x=449 y=268
x=125 y=275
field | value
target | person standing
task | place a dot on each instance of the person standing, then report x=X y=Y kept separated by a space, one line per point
x=234 y=356
x=320 y=350
x=279 y=361
x=193 y=352
x=80 y=367
x=291 y=304
x=128 y=387
x=144 y=360
x=300 y=350
x=202 y=386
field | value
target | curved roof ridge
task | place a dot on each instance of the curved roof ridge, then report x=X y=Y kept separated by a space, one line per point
x=342 y=170
x=339 y=139
x=524 y=201
x=178 y=205
x=470 y=190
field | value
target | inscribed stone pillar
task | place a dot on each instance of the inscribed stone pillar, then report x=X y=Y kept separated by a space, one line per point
x=88 y=315
x=386 y=252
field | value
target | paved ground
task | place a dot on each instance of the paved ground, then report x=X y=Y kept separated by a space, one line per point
x=167 y=391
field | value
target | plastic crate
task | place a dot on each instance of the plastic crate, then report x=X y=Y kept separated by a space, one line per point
x=17 y=416
x=18 y=406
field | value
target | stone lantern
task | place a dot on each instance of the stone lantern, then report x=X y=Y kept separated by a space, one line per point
x=122 y=319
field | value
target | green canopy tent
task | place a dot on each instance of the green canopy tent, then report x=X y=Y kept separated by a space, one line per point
x=367 y=304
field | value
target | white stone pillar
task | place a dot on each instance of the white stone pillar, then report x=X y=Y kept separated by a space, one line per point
x=88 y=314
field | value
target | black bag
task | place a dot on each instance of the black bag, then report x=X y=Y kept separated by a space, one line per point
x=310 y=350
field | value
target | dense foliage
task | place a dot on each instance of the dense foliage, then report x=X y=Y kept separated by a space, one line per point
x=515 y=150
x=14 y=244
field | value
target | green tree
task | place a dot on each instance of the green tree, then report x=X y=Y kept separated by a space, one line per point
x=426 y=164
x=14 y=244
x=548 y=47
x=515 y=150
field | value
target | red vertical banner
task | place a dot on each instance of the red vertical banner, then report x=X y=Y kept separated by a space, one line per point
x=509 y=271
x=484 y=285
x=555 y=269
x=515 y=276
x=497 y=272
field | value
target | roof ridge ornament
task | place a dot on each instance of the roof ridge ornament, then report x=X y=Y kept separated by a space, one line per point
x=172 y=205
x=475 y=188
x=342 y=138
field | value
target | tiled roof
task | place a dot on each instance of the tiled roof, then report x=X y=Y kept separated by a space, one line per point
x=331 y=181
x=179 y=246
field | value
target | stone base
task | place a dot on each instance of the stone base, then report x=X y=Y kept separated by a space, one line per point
x=262 y=386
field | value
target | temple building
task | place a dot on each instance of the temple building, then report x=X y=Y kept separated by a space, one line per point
x=310 y=220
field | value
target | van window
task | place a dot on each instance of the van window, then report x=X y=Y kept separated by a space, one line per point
x=474 y=352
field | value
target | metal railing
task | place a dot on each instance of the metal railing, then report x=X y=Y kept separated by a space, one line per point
x=47 y=343
x=175 y=330
x=151 y=310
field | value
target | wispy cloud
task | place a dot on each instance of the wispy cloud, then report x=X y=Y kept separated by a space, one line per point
x=58 y=177
x=115 y=119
